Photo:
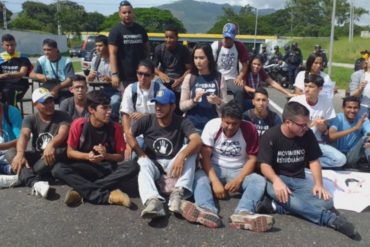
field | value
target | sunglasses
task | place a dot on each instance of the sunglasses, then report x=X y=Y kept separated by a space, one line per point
x=143 y=74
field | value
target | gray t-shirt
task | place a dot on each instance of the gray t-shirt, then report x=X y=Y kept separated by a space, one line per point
x=43 y=132
x=68 y=105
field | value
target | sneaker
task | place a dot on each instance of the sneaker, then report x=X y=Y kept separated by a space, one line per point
x=153 y=209
x=73 y=198
x=174 y=203
x=40 y=188
x=193 y=213
x=342 y=225
x=265 y=206
x=117 y=197
x=7 y=181
x=252 y=222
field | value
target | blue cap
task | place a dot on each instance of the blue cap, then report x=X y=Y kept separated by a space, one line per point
x=164 y=97
x=229 y=30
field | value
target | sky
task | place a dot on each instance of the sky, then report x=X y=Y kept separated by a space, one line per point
x=108 y=7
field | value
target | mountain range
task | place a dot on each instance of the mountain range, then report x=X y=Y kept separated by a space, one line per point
x=199 y=17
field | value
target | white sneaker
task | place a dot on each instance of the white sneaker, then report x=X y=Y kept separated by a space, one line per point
x=7 y=181
x=174 y=203
x=40 y=188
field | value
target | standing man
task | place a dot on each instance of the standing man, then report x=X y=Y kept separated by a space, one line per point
x=13 y=67
x=294 y=59
x=101 y=72
x=285 y=151
x=229 y=156
x=228 y=53
x=350 y=132
x=54 y=71
x=95 y=147
x=48 y=129
x=75 y=106
x=164 y=152
x=262 y=117
x=128 y=44
x=173 y=61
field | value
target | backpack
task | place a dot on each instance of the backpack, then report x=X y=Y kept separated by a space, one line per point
x=238 y=46
x=244 y=133
x=157 y=86
x=111 y=134
x=270 y=118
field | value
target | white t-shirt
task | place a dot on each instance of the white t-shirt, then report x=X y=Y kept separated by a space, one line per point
x=227 y=61
x=365 y=101
x=143 y=104
x=322 y=110
x=327 y=88
x=230 y=152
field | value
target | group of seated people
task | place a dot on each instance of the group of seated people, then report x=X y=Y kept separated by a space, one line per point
x=193 y=145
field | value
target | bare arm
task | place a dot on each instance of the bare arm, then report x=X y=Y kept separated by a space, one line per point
x=248 y=168
x=282 y=191
x=186 y=103
x=278 y=87
x=19 y=160
x=318 y=188
x=113 y=50
x=8 y=145
x=59 y=139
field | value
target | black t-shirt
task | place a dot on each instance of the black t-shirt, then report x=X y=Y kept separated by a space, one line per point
x=172 y=62
x=14 y=65
x=288 y=156
x=130 y=42
x=162 y=143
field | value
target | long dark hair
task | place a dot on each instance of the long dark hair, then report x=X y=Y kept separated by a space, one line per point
x=310 y=60
x=212 y=67
x=259 y=57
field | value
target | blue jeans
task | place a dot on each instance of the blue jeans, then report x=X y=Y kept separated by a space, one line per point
x=115 y=101
x=149 y=173
x=303 y=203
x=252 y=188
x=355 y=153
x=331 y=157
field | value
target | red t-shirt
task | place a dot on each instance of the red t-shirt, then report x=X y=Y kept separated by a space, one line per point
x=76 y=131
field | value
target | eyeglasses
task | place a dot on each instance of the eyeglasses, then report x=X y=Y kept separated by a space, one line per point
x=143 y=74
x=303 y=126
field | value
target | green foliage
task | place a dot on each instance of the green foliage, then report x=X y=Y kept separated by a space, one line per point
x=299 y=18
x=44 y=17
x=152 y=19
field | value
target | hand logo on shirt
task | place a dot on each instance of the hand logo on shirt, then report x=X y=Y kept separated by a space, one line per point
x=42 y=140
x=163 y=146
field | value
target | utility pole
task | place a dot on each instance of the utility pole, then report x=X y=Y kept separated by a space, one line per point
x=58 y=18
x=332 y=37
x=4 y=15
x=255 y=29
x=351 y=22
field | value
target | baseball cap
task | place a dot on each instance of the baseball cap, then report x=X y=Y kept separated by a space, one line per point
x=229 y=30
x=164 y=97
x=40 y=95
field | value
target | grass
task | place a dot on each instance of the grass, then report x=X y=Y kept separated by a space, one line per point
x=341 y=76
x=77 y=66
x=343 y=51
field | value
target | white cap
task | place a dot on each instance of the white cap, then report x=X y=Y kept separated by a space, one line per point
x=41 y=94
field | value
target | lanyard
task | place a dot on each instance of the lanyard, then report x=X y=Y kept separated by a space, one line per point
x=251 y=78
x=52 y=68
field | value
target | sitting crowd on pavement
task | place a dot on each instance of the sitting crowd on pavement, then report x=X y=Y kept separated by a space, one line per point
x=190 y=127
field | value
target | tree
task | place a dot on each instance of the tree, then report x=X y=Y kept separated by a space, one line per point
x=93 y=22
x=152 y=19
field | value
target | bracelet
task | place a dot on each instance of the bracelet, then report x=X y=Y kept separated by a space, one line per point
x=115 y=73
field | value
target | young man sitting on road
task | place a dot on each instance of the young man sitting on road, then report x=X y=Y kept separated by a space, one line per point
x=75 y=106
x=95 y=151
x=229 y=154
